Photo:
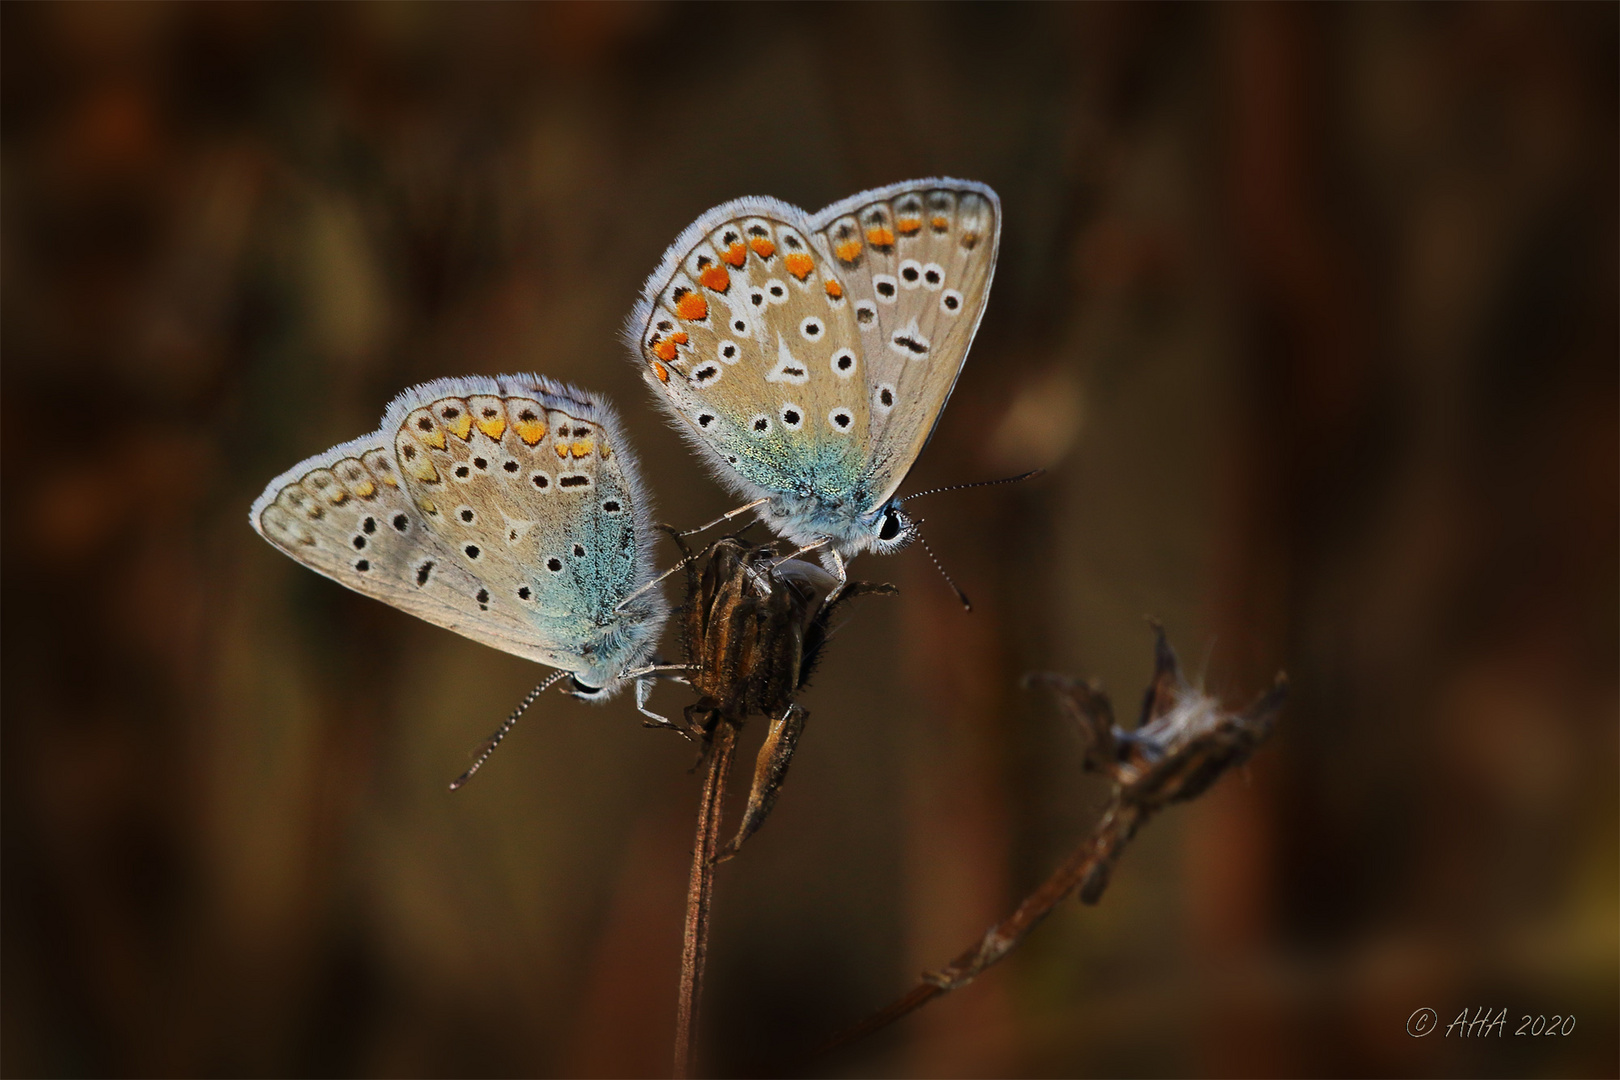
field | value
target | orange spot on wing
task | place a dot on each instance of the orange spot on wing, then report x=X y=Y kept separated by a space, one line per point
x=879 y=237
x=716 y=278
x=736 y=254
x=849 y=250
x=562 y=450
x=692 y=307
x=365 y=489
x=940 y=224
x=665 y=350
x=494 y=428
x=661 y=371
x=799 y=265
x=762 y=247
x=581 y=448
x=679 y=337
x=908 y=226
x=434 y=438
x=834 y=289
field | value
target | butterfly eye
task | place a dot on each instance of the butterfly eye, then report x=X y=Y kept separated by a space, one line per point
x=891 y=526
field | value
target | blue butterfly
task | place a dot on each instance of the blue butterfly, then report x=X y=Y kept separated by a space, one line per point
x=508 y=510
x=809 y=356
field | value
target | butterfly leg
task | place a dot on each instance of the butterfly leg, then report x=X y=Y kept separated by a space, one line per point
x=644 y=688
x=836 y=566
x=672 y=672
x=727 y=516
x=770 y=769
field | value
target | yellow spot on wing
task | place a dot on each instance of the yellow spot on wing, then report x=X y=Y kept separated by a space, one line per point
x=799 y=265
x=461 y=426
x=364 y=488
x=423 y=470
x=562 y=450
x=434 y=438
x=530 y=431
x=582 y=448
x=494 y=428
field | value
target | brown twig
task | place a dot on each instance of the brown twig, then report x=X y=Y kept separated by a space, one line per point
x=699 y=889
x=1183 y=742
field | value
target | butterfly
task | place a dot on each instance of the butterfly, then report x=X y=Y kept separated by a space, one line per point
x=508 y=510
x=808 y=356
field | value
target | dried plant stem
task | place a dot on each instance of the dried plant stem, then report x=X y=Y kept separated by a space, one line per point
x=1097 y=854
x=699 y=889
x=1182 y=744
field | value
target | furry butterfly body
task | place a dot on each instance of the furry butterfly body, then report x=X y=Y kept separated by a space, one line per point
x=809 y=356
x=508 y=510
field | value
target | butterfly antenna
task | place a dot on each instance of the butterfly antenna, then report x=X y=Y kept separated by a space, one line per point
x=979 y=483
x=500 y=733
x=967 y=605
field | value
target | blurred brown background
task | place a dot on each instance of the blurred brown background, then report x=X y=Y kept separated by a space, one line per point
x=1310 y=311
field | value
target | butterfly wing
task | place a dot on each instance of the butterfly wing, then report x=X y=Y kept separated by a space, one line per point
x=508 y=510
x=917 y=259
x=809 y=357
x=750 y=339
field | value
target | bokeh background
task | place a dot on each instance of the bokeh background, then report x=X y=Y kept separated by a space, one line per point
x=1310 y=311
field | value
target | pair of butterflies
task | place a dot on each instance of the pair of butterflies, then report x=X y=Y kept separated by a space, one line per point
x=807 y=357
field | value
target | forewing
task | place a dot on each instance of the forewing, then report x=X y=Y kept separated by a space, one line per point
x=747 y=334
x=917 y=259
x=506 y=510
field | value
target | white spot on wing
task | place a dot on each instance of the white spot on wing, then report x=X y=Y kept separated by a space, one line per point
x=787 y=369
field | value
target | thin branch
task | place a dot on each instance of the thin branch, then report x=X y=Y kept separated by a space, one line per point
x=1182 y=744
x=699 y=890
